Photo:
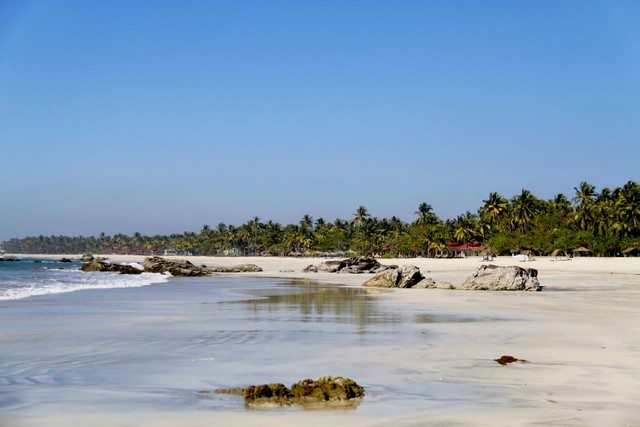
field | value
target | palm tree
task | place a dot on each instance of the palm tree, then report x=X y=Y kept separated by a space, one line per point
x=306 y=221
x=561 y=204
x=360 y=217
x=426 y=215
x=494 y=208
x=585 y=205
x=525 y=206
x=585 y=193
x=627 y=207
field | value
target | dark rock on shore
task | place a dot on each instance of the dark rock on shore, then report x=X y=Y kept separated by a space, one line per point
x=9 y=259
x=326 y=389
x=429 y=283
x=355 y=265
x=276 y=393
x=402 y=277
x=505 y=360
x=323 y=389
x=183 y=267
x=241 y=268
x=105 y=266
x=494 y=278
x=486 y=277
x=174 y=267
x=332 y=266
x=65 y=260
x=86 y=258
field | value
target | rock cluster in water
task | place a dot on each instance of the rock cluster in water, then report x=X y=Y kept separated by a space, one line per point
x=9 y=259
x=355 y=265
x=307 y=391
x=106 y=266
x=180 y=267
x=156 y=264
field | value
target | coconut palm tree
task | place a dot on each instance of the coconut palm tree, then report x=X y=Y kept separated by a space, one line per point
x=360 y=216
x=584 y=201
x=561 y=204
x=525 y=206
x=426 y=215
x=494 y=208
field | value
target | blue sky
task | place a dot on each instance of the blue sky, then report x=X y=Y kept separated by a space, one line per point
x=160 y=117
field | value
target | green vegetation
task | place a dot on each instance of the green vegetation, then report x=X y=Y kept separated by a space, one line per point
x=606 y=223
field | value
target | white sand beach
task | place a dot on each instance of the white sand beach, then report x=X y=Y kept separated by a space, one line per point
x=580 y=336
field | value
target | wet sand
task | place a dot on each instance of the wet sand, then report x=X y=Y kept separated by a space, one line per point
x=139 y=356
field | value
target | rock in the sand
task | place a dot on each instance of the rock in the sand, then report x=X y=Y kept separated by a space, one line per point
x=429 y=283
x=506 y=359
x=276 y=393
x=332 y=266
x=241 y=268
x=426 y=283
x=443 y=284
x=402 y=277
x=105 y=266
x=494 y=278
x=86 y=258
x=174 y=267
x=359 y=265
x=323 y=389
x=326 y=389
x=65 y=260
x=355 y=265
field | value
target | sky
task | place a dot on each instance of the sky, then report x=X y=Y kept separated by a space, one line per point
x=159 y=117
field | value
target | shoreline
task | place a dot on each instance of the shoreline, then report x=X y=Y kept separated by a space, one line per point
x=289 y=267
x=581 y=336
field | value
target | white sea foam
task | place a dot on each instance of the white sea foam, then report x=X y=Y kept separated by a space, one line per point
x=62 y=281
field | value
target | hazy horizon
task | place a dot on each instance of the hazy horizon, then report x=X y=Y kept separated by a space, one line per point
x=120 y=117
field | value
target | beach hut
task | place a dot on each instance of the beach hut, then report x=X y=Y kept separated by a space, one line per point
x=462 y=250
x=631 y=252
x=559 y=253
x=581 y=251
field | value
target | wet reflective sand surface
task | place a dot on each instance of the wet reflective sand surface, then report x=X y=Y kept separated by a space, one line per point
x=152 y=349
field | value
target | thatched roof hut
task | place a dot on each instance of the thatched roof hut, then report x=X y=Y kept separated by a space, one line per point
x=631 y=252
x=581 y=251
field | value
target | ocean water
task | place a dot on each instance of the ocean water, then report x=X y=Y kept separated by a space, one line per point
x=32 y=277
x=153 y=349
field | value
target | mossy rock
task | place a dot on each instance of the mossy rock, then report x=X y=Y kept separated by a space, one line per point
x=326 y=389
x=275 y=393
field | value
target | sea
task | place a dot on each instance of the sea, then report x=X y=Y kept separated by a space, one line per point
x=32 y=277
x=107 y=349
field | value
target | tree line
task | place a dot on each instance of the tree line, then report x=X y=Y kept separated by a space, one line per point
x=606 y=222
